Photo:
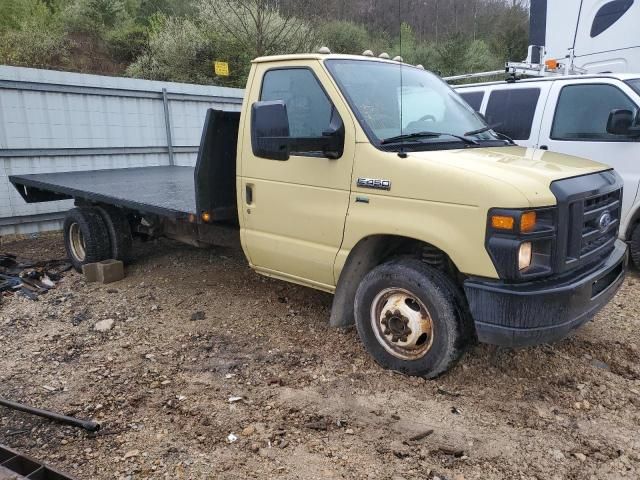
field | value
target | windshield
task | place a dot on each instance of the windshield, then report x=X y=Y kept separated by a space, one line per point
x=635 y=84
x=374 y=90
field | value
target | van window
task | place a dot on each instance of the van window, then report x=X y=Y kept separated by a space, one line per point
x=583 y=111
x=474 y=99
x=635 y=84
x=511 y=111
x=609 y=14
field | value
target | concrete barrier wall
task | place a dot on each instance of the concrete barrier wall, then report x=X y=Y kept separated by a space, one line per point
x=58 y=122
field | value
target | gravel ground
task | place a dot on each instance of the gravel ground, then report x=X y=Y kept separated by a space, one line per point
x=211 y=371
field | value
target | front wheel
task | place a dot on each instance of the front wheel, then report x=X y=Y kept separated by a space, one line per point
x=410 y=318
x=634 y=246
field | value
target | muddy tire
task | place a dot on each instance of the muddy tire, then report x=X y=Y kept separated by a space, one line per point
x=85 y=237
x=119 y=233
x=410 y=318
x=634 y=246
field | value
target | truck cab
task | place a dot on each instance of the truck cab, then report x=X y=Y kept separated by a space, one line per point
x=417 y=201
x=373 y=180
x=590 y=116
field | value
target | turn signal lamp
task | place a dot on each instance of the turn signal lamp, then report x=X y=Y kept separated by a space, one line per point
x=528 y=222
x=206 y=217
x=502 y=222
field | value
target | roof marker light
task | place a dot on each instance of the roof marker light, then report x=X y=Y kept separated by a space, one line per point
x=367 y=53
x=420 y=66
x=384 y=55
x=324 y=50
x=398 y=59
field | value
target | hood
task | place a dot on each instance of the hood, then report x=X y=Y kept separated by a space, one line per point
x=529 y=170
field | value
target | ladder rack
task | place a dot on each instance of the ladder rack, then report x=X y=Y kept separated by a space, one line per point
x=516 y=70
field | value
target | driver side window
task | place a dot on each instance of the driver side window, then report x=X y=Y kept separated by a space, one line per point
x=308 y=107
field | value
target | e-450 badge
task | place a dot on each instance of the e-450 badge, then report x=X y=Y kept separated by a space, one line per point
x=376 y=183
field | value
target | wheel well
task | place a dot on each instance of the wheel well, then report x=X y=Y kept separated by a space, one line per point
x=635 y=218
x=373 y=251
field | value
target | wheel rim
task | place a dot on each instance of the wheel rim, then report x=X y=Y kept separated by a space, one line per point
x=76 y=241
x=402 y=324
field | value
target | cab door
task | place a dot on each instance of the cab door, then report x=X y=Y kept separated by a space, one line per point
x=575 y=123
x=294 y=211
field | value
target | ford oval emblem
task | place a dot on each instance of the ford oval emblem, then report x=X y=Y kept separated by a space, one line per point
x=604 y=222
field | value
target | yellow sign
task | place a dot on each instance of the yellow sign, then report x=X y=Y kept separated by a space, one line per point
x=221 y=69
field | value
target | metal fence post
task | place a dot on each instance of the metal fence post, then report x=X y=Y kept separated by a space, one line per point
x=167 y=124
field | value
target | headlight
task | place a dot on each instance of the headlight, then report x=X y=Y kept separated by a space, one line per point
x=520 y=242
x=524 y=256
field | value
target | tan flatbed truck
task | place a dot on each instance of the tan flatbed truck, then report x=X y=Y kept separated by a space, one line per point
x=375 y=181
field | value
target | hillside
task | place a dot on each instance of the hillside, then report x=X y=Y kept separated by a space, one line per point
x=179 y=40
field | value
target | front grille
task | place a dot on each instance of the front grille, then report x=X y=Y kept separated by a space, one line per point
x=588 y=218
x=597 y=235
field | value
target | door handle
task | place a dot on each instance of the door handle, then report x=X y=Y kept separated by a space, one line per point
x=544 y=147
x=249 y=194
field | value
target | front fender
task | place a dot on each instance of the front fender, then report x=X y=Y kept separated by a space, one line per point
x=458 y=230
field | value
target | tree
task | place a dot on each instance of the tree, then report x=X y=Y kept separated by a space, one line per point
x=177 y=52
x=342 y=36
x=36 y=39
x=258 y=26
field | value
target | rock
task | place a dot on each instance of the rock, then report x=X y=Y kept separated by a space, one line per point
x=580 y=456
x=248 y=431
x=78 y=318
x=231 y=438
x=599 y=364
x=131 y=454
x=104 y=325
x=255 y=447
x=556 y=454
x=349 y=431
x=195 y=316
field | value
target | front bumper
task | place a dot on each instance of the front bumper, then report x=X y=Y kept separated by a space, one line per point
x=520 y=315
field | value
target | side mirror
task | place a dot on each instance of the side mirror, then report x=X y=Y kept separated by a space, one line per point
x=623 y=122
x=271 y=138
x=270 y=130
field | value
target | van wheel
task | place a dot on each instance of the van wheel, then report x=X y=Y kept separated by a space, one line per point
x=119 y=233
x=85 y=237
x=634 y=246
x=410 y=318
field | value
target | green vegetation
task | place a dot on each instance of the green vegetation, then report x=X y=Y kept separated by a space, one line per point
x=179 y=40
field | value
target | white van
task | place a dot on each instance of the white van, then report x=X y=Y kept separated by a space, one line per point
x=590 y=116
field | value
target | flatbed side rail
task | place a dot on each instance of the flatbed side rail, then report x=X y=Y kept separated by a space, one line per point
x=34 y=189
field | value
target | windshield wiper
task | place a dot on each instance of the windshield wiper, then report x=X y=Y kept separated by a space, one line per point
x=416 y=135
x=486 y=128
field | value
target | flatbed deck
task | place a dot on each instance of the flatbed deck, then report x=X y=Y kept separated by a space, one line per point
x=164 y=190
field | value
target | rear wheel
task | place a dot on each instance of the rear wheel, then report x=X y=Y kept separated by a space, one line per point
x=410 y=318
x=119 y=233
x=85 y=237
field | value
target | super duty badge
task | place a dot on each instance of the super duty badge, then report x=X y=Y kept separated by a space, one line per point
x=376 y=183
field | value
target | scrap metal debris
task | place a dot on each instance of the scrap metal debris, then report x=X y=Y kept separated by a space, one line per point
x=29 y=279
x=14 y=466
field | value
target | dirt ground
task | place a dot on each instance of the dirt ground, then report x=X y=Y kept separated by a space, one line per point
x=212 y=371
